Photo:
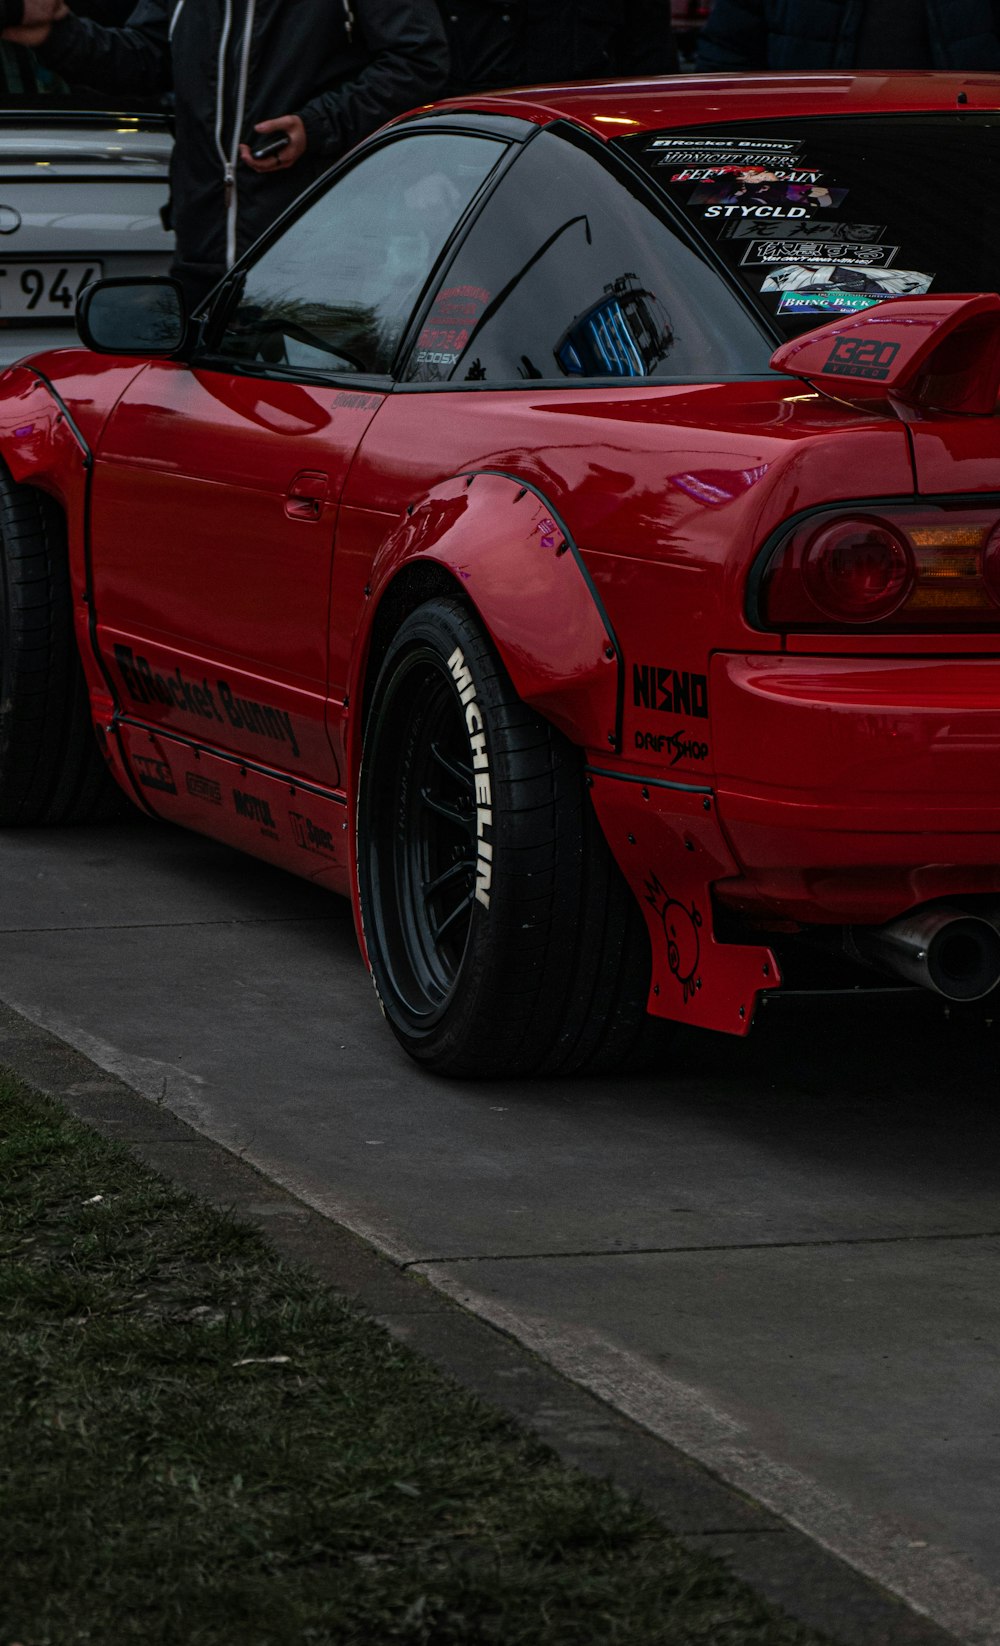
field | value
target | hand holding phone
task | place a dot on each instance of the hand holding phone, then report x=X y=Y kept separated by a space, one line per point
x=269 y=144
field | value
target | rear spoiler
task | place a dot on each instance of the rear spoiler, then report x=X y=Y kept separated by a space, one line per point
x=930 y=353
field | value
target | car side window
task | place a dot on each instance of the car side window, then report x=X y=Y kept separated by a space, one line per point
x=571 y=272
x=335 y=291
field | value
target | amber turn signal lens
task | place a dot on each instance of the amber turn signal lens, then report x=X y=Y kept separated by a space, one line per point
x=991 y=564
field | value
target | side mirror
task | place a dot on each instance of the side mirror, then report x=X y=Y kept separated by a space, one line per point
x=142 y=315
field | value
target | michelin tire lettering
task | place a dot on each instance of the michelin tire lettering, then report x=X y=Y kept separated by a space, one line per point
x=481 y=773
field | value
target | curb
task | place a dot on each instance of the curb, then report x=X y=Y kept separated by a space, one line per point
x=782 y=1564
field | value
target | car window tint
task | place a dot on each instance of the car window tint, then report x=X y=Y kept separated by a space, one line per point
x=822 y=218
x=570 y=272
x=334 y=292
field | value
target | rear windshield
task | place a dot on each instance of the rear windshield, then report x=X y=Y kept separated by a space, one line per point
x=820 y=218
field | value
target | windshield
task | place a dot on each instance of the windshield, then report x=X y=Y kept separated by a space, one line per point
x=819 y=218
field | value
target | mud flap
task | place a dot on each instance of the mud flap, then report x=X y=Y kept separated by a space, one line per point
x=671 y=850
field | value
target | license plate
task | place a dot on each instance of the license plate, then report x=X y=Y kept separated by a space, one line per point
x=43 y=289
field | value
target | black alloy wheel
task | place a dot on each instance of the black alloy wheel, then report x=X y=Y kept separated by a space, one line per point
x=423 y=836
x=501 y=937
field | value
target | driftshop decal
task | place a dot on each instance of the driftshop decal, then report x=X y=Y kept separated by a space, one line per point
x=201 y=700
x=673 y=746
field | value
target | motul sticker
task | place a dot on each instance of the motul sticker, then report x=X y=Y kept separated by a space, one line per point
x=255 y=809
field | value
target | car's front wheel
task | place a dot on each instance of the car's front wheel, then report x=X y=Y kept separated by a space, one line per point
x=501 y=936
x=51 y=770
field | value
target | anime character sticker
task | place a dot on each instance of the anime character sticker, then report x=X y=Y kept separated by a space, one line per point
x=752 y=188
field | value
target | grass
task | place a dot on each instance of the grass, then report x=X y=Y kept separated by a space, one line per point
x=200 y=1445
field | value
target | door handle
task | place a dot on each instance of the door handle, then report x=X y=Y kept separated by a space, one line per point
x=306 y=495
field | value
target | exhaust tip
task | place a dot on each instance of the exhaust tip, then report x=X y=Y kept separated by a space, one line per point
x=957 y=955
x=963 y=959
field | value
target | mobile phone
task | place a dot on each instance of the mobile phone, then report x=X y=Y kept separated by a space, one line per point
x=269 y=143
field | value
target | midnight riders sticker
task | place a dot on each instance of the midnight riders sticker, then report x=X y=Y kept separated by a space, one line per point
x=481 y=774
x=723 y=151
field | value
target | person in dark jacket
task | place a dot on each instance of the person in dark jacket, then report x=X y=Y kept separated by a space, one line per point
x=852 y=34
x=321 y=73
x=496 y=43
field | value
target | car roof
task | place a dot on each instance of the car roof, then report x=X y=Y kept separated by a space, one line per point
x=617 y=108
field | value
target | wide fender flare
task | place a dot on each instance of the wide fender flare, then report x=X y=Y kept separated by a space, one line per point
x=514 y=560
x=39 y=441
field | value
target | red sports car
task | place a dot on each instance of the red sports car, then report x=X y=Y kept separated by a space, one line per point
x=574 y=534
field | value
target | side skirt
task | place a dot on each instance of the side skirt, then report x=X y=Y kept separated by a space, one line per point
x=298 y=826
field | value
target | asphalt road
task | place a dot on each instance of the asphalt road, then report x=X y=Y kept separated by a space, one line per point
x=781 y=1255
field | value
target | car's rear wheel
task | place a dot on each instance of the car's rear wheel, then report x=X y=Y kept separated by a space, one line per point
x=51 y=770
x=501 y=936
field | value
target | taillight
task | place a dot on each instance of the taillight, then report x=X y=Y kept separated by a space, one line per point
x=930 y=566
x=857 y=571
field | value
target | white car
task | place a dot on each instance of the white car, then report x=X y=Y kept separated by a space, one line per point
x=81 y=192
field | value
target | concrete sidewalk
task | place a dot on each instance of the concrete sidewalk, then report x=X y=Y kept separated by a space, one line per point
x=779 y=1260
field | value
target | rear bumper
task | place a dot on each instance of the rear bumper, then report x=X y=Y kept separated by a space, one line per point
x=850 y=790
